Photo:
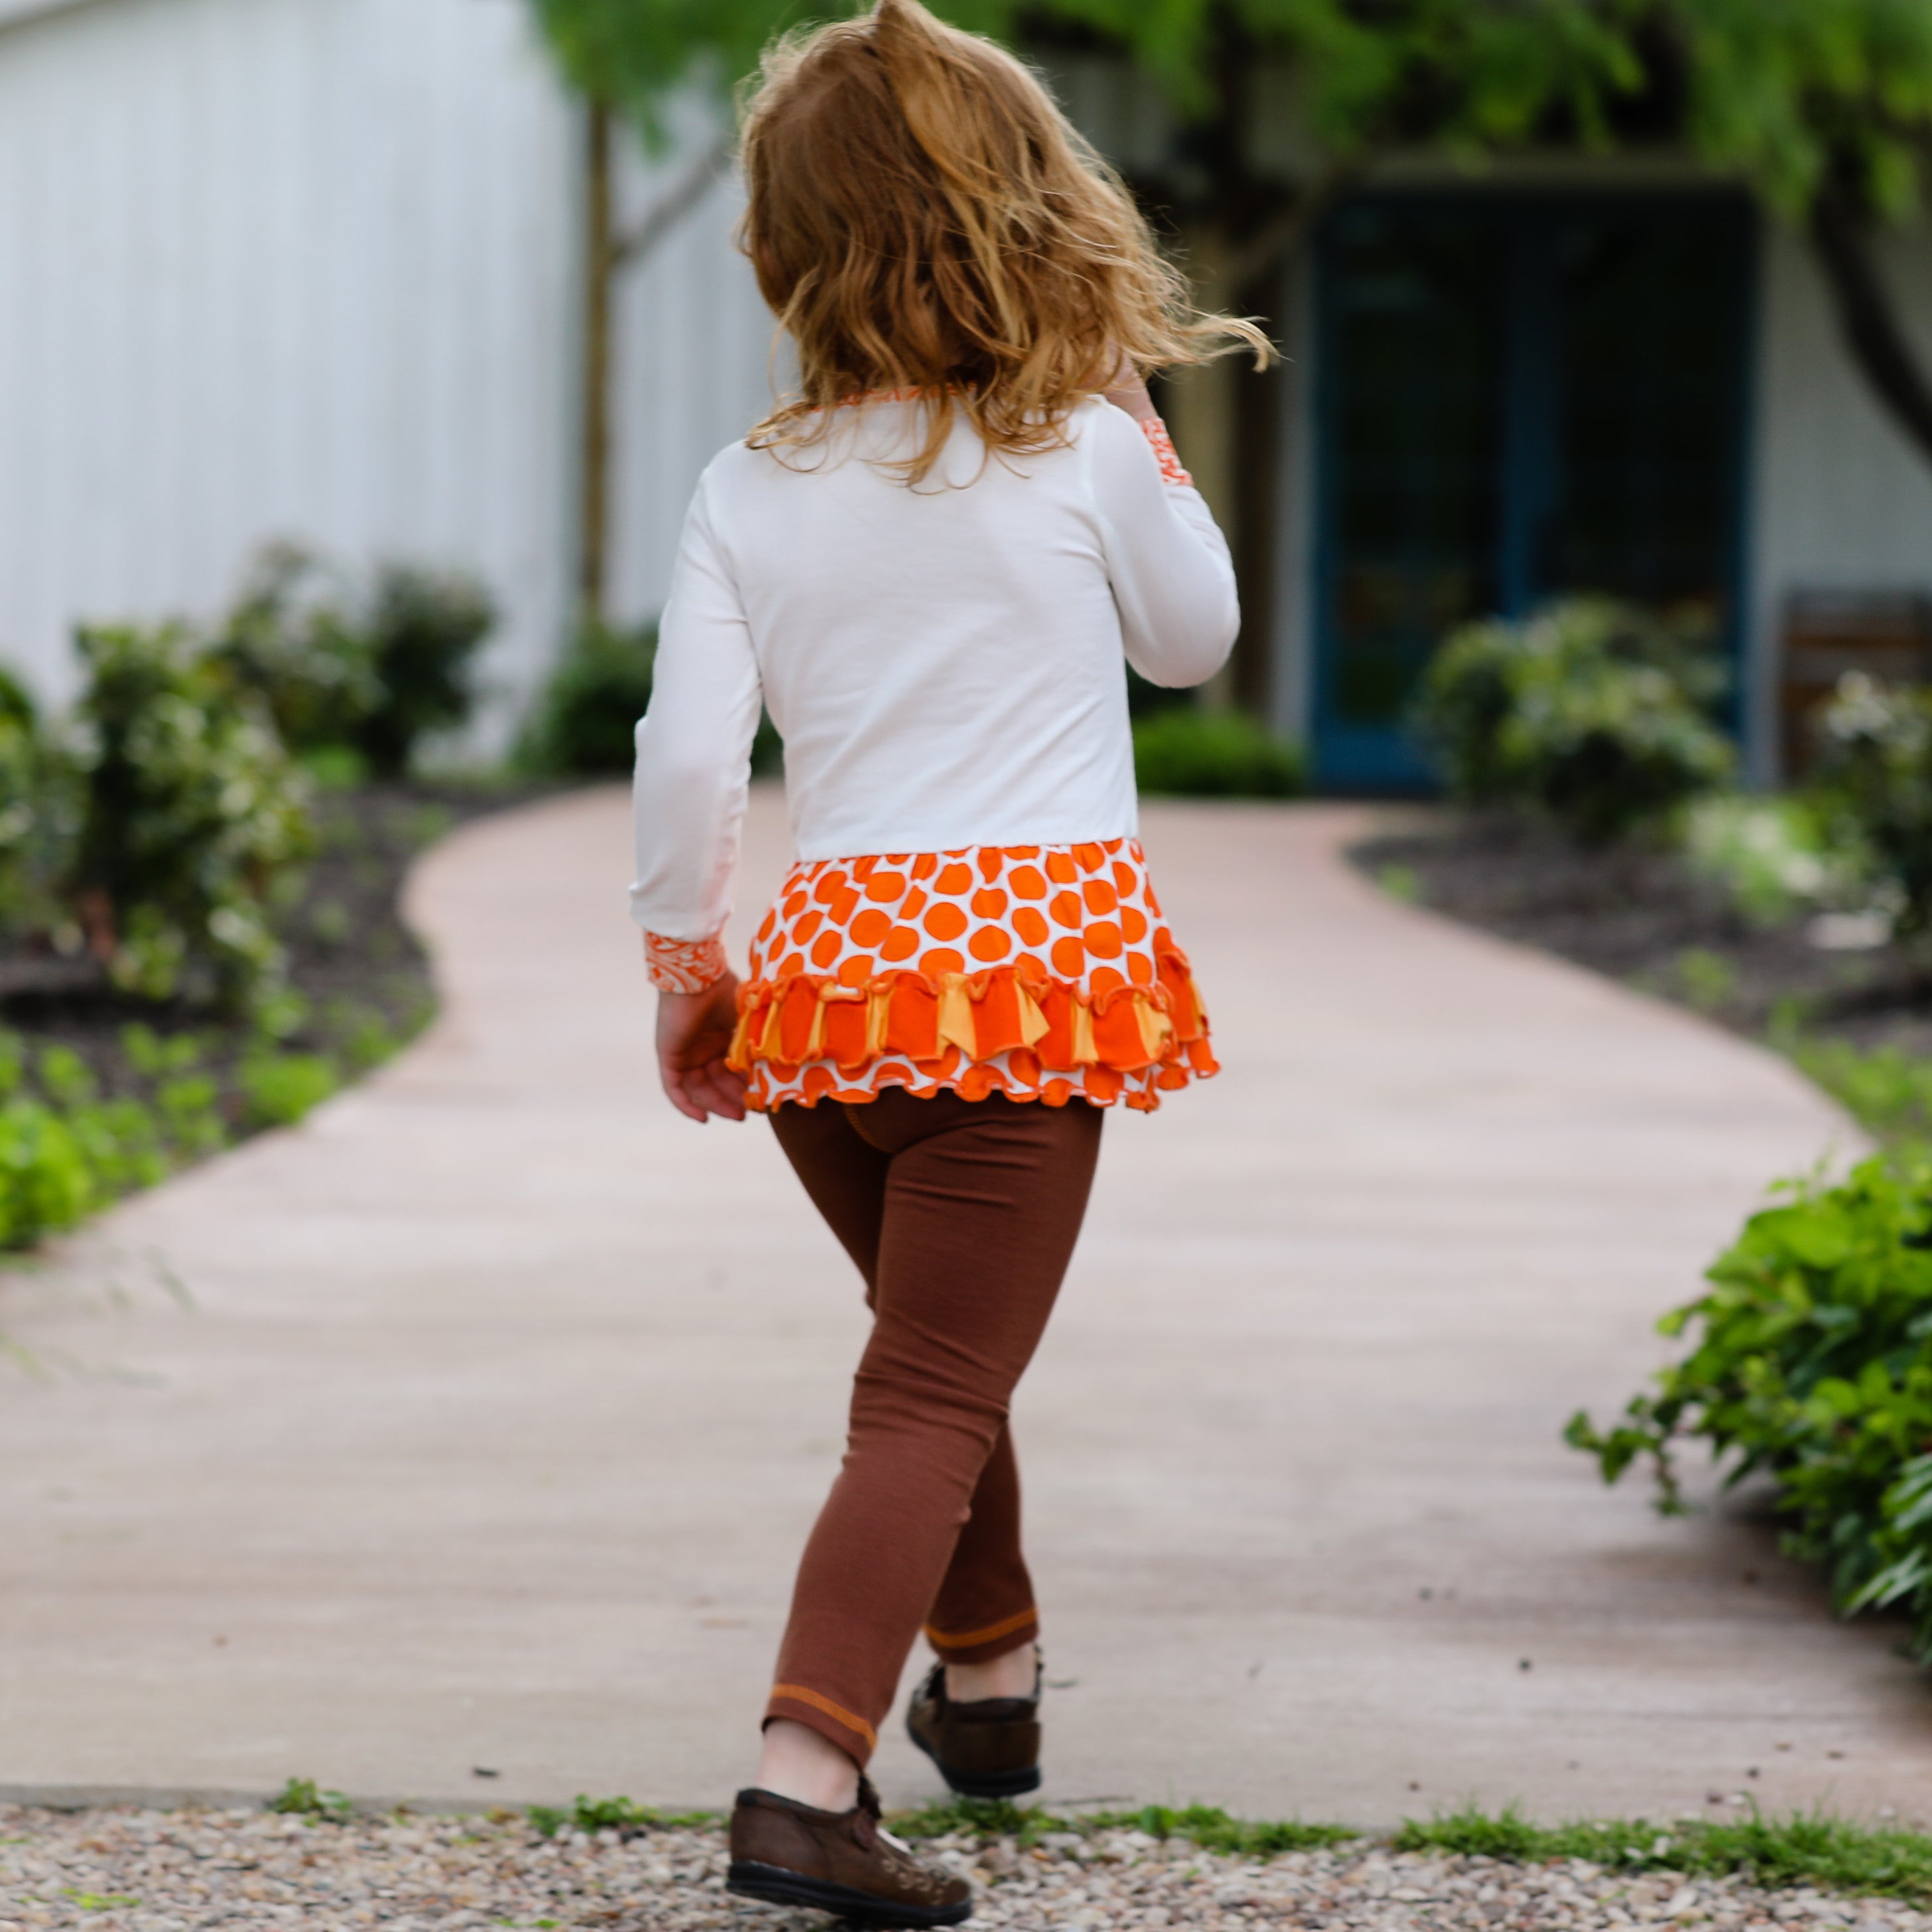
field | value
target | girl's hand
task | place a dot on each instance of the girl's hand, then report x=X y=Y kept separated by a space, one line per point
x=1126 y=389
x=694 y=1035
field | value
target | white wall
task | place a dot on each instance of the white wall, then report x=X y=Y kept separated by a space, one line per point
x=310 y=267
x=1841 y=500
x=693 y=369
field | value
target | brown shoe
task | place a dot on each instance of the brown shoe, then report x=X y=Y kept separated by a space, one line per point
x=788 y=1853
x=987 y=1750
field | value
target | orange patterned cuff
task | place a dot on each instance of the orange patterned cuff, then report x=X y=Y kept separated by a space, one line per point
x=1156 y=432
x=684 y=965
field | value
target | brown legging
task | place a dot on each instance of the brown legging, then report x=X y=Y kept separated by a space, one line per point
x=962 y=1215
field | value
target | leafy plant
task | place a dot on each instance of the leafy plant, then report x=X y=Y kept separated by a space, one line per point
x=37 y=813
x=1184 y=750
x=291 y=638
x=1775 y=856
x=277 y=1089
x=585 y=722
x=425 y=628
x=1887 y=1090
x=592 y=1815
x=1814 y=1365
x=192 y=811
x=300 y=1799
x=1804 y=1848
x=1593 y=712
x=1875 y=773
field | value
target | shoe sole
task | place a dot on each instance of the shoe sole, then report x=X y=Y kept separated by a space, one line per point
x=989 y=1784
x=774 y=1886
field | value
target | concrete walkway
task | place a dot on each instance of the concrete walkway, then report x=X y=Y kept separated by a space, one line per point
x=508 y=1396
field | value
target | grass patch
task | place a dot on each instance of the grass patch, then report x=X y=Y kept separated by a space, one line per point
x=1806 y=1849
x=592 y=1815
x=1201 y=1825
x=300 y=1799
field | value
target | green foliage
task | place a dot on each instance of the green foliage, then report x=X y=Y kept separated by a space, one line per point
x=192 y=812
x=1874 y=775
x=277 y=1089
x=300 y=1799
x=1814 y=1364
x=592 y=1815
x=1184 y=750
x=66 y=1152
x=1804 y=1849
x=38 y=812
x=290 y=639
x=1778 y=92
x=425 y=628
x=1775 y=856
x=1201 y=1825
x=1592 y=712
x=355 y=678
x=585 y=722
x=1888 y=1091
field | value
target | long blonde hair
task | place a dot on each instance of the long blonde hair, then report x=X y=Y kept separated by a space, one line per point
x=922 y=217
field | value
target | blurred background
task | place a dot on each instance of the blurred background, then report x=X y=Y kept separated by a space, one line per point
x=1644 y=309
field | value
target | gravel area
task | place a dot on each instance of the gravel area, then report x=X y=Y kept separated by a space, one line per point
x=156 y=1871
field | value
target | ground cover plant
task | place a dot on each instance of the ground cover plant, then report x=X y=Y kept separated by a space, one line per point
x=199 y=936
x=1812 y=1364
x=1595 y=714
x=313 y=1857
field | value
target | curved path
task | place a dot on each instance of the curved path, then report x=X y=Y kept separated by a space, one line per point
x=507 y=1396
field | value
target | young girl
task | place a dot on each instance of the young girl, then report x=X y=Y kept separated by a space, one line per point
x=931 y=566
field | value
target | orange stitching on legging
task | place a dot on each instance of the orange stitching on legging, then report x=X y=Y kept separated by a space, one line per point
x=967 y=1639
x=837 y=1712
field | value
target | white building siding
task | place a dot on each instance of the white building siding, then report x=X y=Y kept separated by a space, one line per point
x=310 y=268
x=694 y=371
x=1841 y=500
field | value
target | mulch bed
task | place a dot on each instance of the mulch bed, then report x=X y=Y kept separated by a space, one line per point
x=1642 y=915
x=183 y=1871
x=361 y=973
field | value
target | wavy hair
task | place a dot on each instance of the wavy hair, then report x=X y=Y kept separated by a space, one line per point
x=922 y=217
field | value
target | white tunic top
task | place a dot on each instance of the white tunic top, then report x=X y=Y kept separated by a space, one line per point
x=943 y=661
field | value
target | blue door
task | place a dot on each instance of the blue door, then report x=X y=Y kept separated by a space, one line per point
x=1518 y=397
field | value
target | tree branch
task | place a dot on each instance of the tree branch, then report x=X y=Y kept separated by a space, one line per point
x=1885 y=355
x=676 y=203
x=1280 y=238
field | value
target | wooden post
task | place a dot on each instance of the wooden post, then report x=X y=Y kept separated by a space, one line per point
x=600 y=268
x=1205 y=403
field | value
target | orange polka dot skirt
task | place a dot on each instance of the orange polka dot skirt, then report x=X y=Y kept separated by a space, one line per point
x=1042 y=972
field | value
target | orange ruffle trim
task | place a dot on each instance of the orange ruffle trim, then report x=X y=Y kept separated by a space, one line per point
x=1003 y=1029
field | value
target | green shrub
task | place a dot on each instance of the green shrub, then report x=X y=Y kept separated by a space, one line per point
x=46 y=1181
x=355 y=678
x=1874 y=773
x=1184 y=750
x=292 y=639
x=1776 y=857
x=192 y=810
x=1593 y=713
x=279 y=1088
x=424 y=629
x=1814 y=1365
x=585 y=722
x=38 y=814
x=1887 y=1090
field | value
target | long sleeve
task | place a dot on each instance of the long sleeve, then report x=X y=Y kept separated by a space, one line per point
x=694 y=755
x=1172 y=577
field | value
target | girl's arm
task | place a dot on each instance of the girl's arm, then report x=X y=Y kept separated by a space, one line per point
x=693 y=765
x=1173 y=579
